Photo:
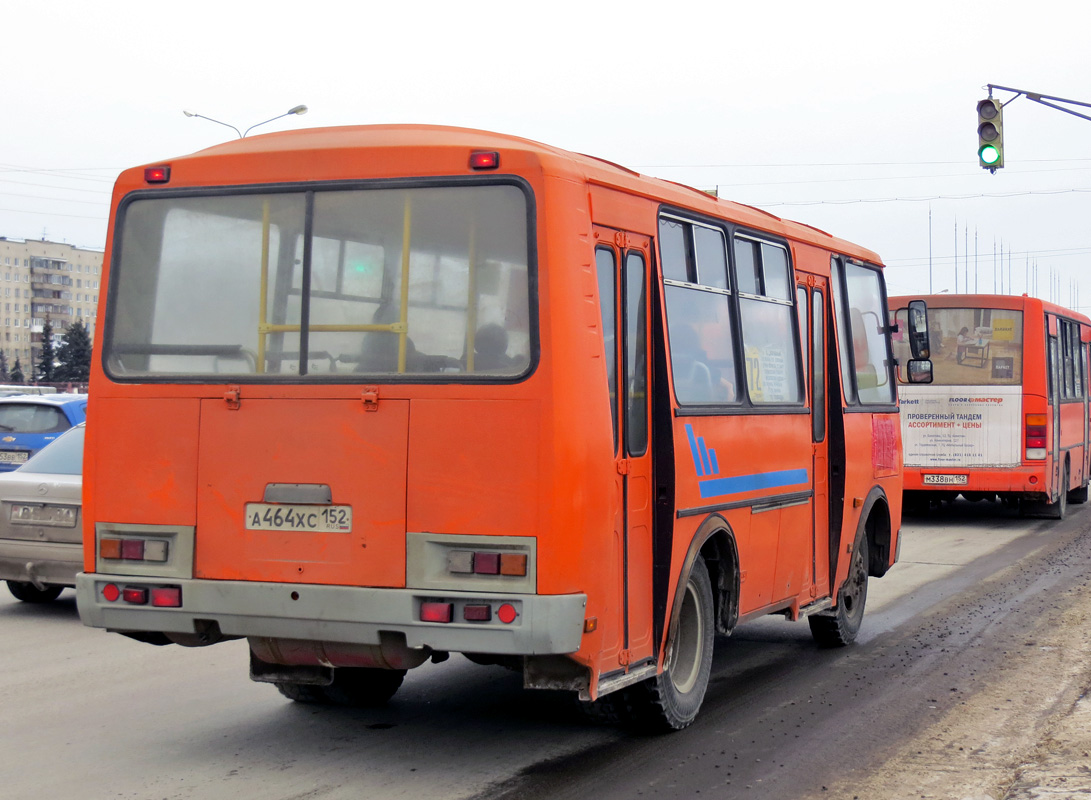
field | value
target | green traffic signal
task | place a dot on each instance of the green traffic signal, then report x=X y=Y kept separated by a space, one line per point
x=990 y=133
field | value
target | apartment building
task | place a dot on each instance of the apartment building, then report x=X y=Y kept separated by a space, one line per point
x=42 y=280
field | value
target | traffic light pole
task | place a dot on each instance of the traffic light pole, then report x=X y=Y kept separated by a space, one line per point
x=1042 y=99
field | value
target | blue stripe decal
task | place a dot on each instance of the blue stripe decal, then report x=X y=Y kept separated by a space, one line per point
x=717 y=487
x=704 y=458
x=693 y=451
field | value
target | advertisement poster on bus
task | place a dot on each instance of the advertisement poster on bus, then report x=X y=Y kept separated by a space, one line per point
x=962 y=426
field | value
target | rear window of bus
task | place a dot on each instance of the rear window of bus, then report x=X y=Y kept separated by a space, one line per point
x=330 y=284
x=968 y=346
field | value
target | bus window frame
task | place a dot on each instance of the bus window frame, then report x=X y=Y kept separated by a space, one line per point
x=742 y=405
x=307 y=190
x=846 y=350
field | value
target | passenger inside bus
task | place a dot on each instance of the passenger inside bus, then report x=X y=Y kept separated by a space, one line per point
x=694 y=380
x=491 y=349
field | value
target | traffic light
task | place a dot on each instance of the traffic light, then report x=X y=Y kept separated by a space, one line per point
x=990 y=134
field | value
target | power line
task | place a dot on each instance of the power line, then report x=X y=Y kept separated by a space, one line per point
x=49 y=186
x=63 y=173
x=55 y=199
x=101 y=217
x=846 y=164
x=915 y=199
x=919 y=260
x=888 y=178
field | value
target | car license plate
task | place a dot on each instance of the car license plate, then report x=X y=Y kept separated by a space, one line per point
x=945 y=480
x=284 y=517
x=13 y=457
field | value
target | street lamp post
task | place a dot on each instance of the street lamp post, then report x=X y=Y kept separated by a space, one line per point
x=297 y=110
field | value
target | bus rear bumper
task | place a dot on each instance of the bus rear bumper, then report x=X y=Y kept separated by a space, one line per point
x=541 y=624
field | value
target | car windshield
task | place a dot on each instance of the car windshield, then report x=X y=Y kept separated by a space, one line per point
x=62 y=457
x=31 y=418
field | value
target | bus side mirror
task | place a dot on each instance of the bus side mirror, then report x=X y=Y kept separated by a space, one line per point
x=919 y=370
x=918 y=330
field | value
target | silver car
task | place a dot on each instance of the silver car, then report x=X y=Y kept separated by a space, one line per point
x=41 y=547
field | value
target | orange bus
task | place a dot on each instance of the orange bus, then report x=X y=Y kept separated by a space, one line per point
x=1006 y=414
x=368 y=396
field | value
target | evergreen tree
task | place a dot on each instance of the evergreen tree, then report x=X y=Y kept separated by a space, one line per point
x=74 y=354
x=4 y=376
x=17 y=375
x=45 y=363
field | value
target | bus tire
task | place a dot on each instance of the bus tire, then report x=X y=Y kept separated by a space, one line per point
x=1059 y=507
x=840 y=627
x=670 y=701
x=29 y=593
x=361 y=687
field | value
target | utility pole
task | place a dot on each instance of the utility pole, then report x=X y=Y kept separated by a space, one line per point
x=929 y=248
x=994 y=266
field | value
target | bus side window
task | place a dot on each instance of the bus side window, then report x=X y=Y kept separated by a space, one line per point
x=698 y=300
x=872 y=359
x=770 y=344
x=605 y=273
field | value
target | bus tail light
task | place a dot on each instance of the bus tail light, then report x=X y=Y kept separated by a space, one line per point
x=160 y=596
x=477 y=613
x=1035 y=437
x=137 y=595
x=487 y=563
x=167 y=596
x=154 y=550
x=436 y=612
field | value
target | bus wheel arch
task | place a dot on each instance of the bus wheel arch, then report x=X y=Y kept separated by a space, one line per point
x=875 y=526
x=714 y=541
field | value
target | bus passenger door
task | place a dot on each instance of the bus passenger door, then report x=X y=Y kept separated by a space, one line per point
x=813 y=336
x=629 y=255
x=1055 y=455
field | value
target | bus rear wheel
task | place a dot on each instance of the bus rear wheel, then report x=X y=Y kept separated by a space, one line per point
x=671 y=700
x=1059 y=507
x=840 y=627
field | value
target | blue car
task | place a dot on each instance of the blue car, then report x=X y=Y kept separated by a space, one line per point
x=30 y=422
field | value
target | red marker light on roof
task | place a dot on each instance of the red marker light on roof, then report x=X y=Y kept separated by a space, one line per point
x=156 y=174
x=484 y=160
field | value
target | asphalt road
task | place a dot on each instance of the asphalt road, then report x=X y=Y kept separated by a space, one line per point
x=94 y=715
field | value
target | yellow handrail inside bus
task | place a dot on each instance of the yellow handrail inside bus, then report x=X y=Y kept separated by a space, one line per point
x=404 y=316
x=401 y=327
x=471 y=306
x=263 y=292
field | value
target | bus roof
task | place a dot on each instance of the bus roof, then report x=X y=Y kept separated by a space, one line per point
x=1006 y=301
x=317 y=154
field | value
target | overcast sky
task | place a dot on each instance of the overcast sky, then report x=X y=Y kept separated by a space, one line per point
x=858 y=118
